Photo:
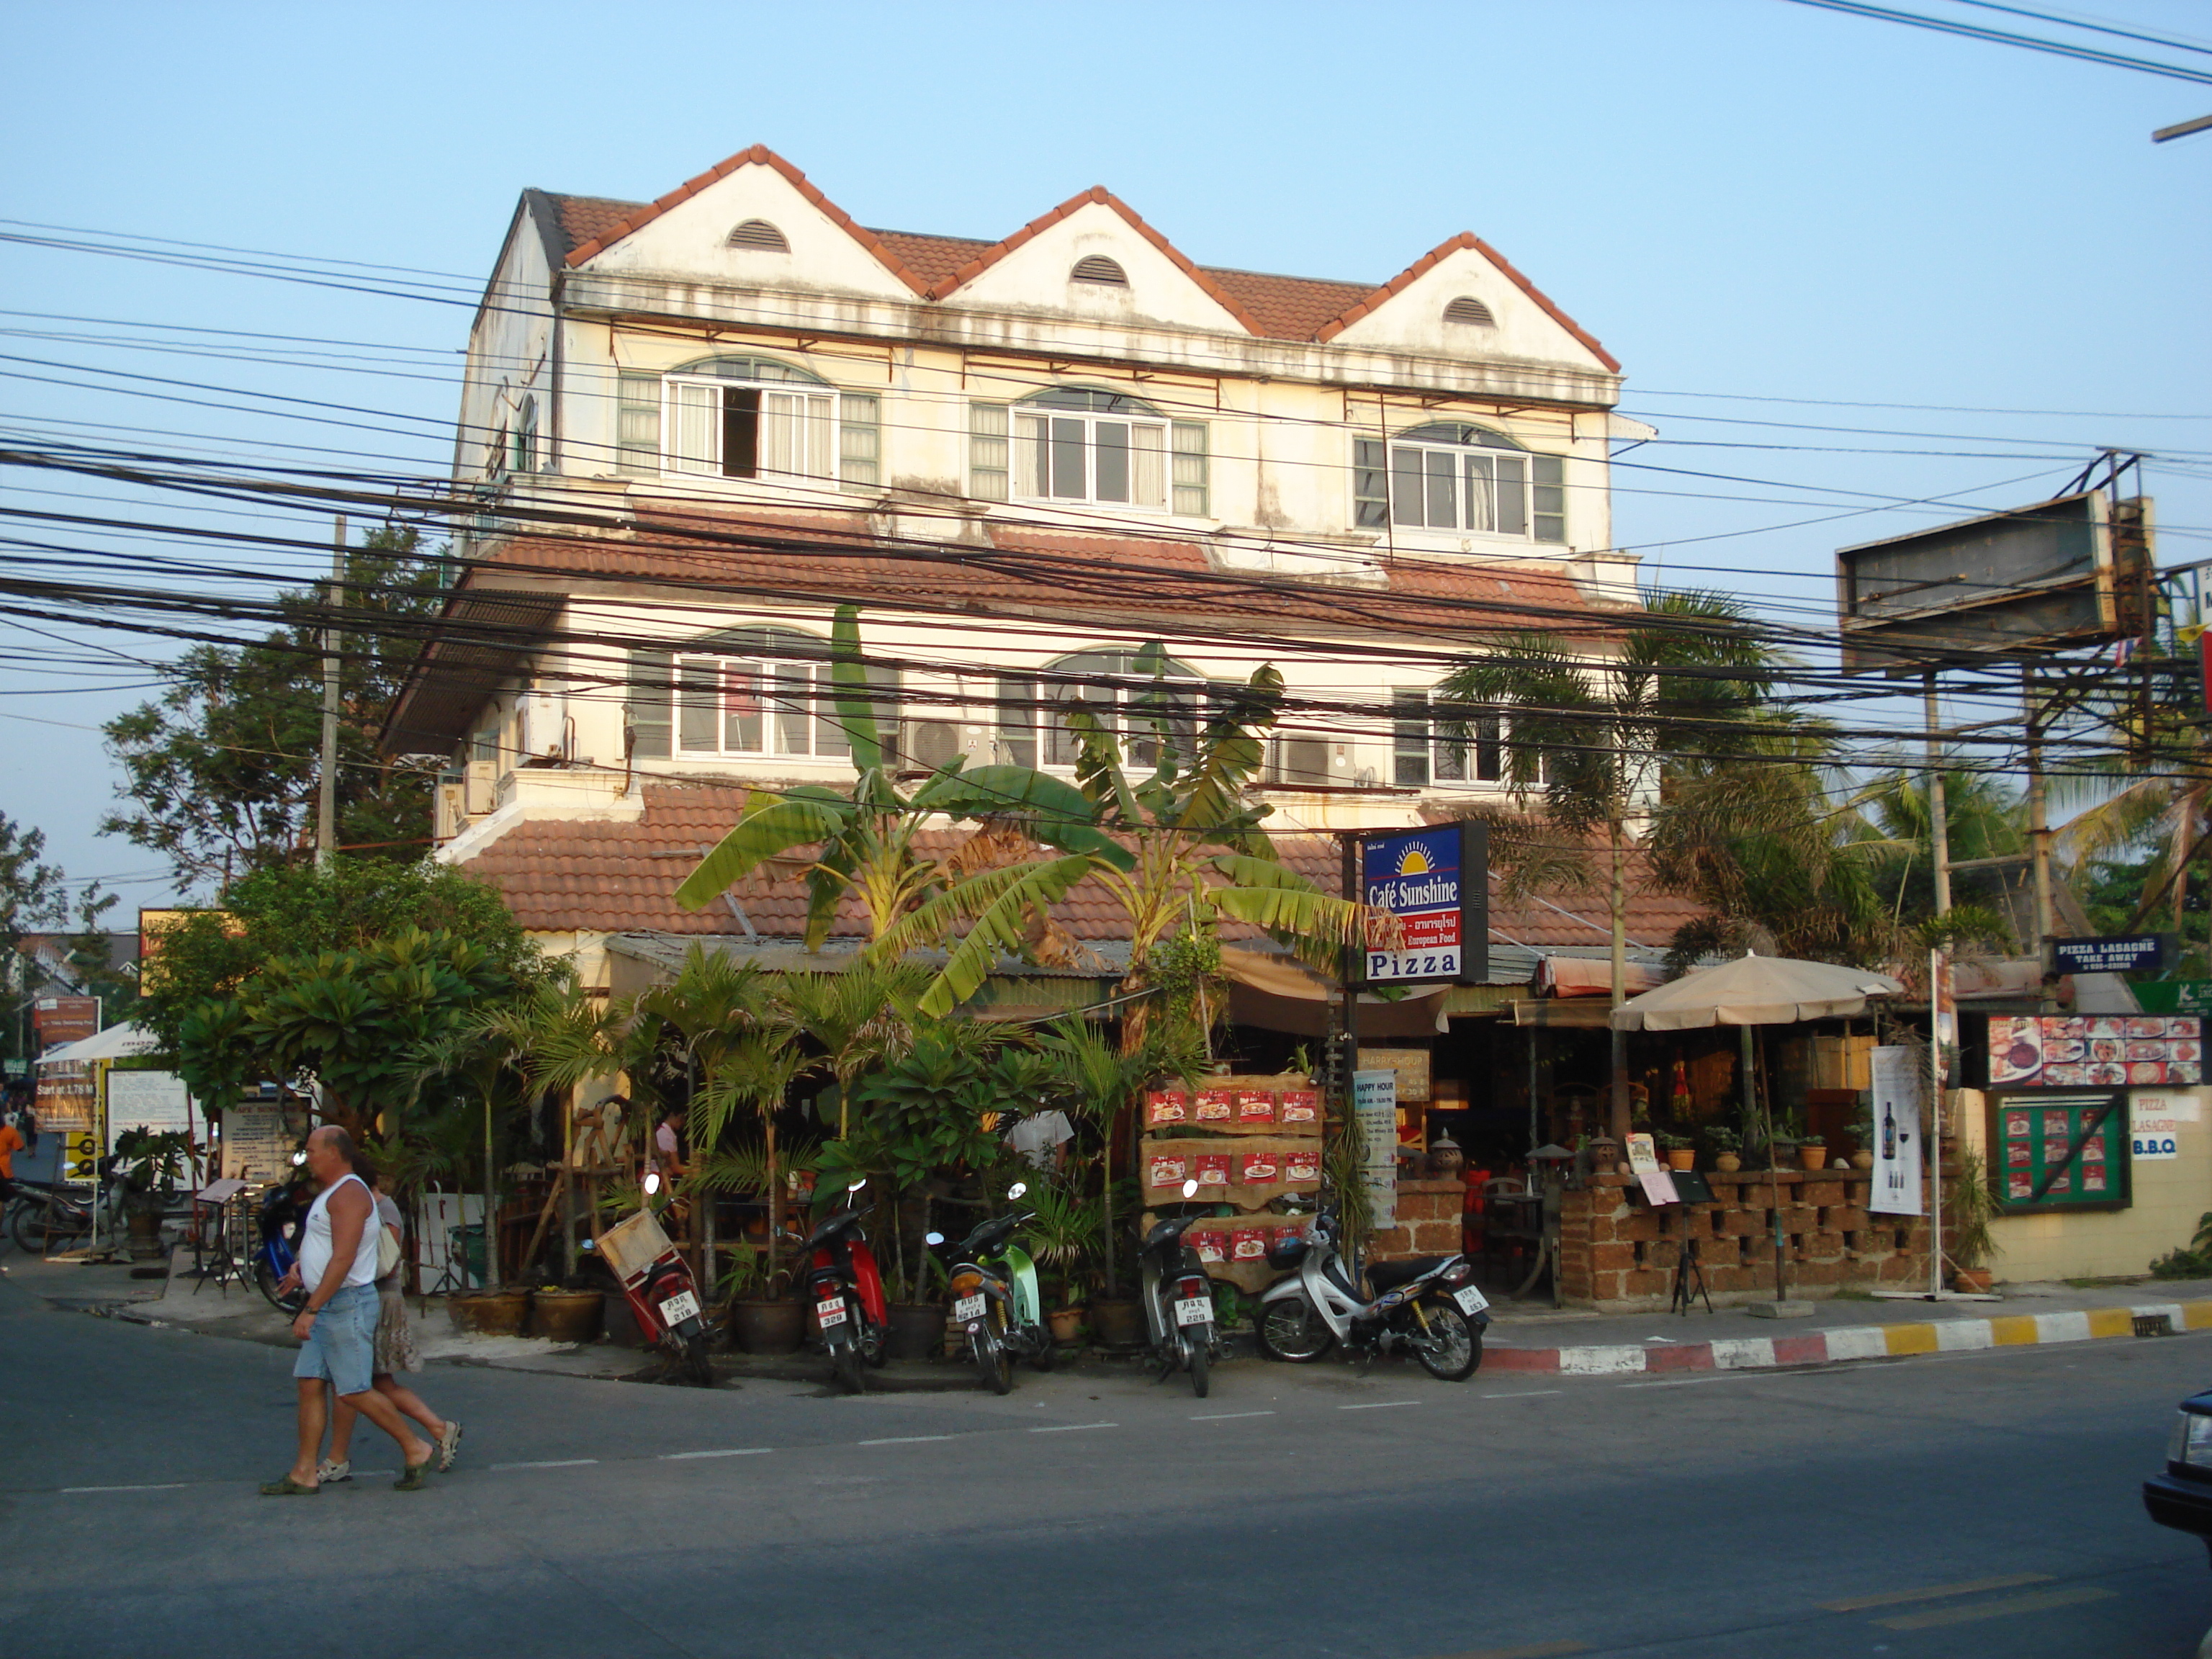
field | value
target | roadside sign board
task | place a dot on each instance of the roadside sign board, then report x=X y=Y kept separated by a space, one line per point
x=2136 y=953
x=1435 y=883
x=2058 y=1152
x=80 y=1155
x=1375 y=1102
x=2154 y=1124
x=2176 y=996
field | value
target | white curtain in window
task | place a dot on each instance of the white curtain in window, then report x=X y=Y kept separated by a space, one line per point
x=698 y=447
x=1030 y=455
x=1147 y=466
x=795 y=433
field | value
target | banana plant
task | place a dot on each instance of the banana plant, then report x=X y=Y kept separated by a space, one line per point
x=865 y=839
x=1183 y=850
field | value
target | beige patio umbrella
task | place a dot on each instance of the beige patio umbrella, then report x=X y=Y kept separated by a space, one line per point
x=1756 y=990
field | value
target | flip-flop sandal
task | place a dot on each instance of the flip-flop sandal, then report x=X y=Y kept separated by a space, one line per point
x=329 y=1474
x=413 y=1481
x=449 y=1447
x=287 y=1487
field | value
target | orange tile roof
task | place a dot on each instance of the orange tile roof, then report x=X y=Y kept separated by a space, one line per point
x=601 y=877
x=1272 y=306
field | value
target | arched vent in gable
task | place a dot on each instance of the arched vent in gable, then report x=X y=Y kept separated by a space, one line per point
x=760 y=234
x=1097 y=268
x=1467 y=309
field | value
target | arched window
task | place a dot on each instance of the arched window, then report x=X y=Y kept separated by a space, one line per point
x=1099 y=269
x=747 y=418
x=1073 y=444
x=1144 y=698
x=1469 y=309
x=1448 y=475
x=760 y=235
x=767 y=690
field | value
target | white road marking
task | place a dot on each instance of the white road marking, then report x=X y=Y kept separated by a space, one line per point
x=551 y=1463
x=1070 y=1428
x=734 y=1451
x=906 y=1439
x=171 y=1485
x=1377 y=1405
x=1224 y=1416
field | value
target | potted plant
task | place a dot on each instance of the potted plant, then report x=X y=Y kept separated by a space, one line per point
x=1968 y=1209
x=1862 y=1134
x=1681 y=1153
x=759 y=1320
x=566 y=1316
x=149 y=1165
x=1728 y=1147
x=1812 y=1152
x=1062 y=1238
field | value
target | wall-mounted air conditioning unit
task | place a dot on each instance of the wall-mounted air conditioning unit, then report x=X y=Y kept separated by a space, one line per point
x=929 y=744
x=448 y=807
x=543 y=719
x=1303 y=762
x=479 y=789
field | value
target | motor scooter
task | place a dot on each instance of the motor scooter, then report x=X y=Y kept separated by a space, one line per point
x=1178 y=1301
x=657 y=1283
x=838 y=1274
x=1429 y=1305
x=996 y=1299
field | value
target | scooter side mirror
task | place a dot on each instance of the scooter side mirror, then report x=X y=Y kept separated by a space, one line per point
x=857 y=1185
x=652 y=1183
x=1190 y=1190
x=932 y=1239
x=1017 y=1190
x=299 y=1158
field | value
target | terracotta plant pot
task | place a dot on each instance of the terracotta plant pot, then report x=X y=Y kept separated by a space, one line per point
x=1973 y=1279
x=917 y=1330
x=766 y=1327
x=489 y=1313
x=1862 y=1160
x=1727 y=1162
x=145 y=1234
x=567 y=1315
x=1118 y=1322
x=1681 y=1157
x=1066 y=1325
x=1813 y=1158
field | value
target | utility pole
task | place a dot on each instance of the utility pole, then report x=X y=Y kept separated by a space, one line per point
x=2039 y=834
x=326 y=792
x=2181 y=130
x=1939 y=828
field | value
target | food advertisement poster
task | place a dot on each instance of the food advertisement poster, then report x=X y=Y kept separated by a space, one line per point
x=1216 y=1105
x=1166 y=1106
x=2054 y=1151
x=2095 y=1051
x=1213 y=1169
x=1255 y=1106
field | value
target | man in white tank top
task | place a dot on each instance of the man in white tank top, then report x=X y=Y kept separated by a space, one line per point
x=338 y=1329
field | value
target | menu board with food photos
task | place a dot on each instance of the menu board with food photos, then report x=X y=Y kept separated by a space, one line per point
x=2095 y=1051
x=2051 y=1151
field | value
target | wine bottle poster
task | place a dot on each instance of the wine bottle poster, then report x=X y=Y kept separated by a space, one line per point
x=1899 y=1082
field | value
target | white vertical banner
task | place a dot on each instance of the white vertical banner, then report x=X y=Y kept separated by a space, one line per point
x=1900 y=1087
x=1375 y=1102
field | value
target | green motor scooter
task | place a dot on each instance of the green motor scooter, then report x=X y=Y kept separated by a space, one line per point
x=996 y=1301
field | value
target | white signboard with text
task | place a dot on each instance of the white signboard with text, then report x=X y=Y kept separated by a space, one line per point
x=1375 y=1102
x=2154 y=1123
x=147 y=1100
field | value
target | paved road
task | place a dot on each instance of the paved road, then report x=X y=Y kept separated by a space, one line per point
x=1968 y=1504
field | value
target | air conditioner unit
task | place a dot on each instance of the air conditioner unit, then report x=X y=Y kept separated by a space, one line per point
x=930 y=744
x=449 y=818
x=544 y=717
x=1301 y=762
x=479 y=789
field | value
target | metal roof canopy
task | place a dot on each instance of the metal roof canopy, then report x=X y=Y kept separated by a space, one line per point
x=2063 y=573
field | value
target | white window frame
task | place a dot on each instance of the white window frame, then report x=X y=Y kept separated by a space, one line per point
x=1051 y=444
x=1420 y=480
x=822 y=434
x=1422 y=756
x=790 y=698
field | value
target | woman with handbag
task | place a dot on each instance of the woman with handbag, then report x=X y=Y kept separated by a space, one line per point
x=396 y=1350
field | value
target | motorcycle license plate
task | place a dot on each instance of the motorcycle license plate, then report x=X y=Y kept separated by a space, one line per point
x=968 y=1308
x=1470 y=1300
x=1197 y=1311
x=678 y=1308
x=830 y=1313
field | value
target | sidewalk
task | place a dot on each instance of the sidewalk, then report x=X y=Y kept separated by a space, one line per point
x=1521 y=1337
x=1837 y=1331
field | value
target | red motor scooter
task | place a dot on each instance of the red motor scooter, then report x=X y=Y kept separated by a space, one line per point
x=657 y=1283
x=838 y=1276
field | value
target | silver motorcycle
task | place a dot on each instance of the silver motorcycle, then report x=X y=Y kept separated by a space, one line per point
x=1429 y=1305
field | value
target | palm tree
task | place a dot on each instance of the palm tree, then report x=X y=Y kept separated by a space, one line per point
x=859 y=1017
x=1176 y=851
x=867 y=837
x=1591 y=743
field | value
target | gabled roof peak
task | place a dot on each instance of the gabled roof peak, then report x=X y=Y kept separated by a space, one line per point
x=936 y=267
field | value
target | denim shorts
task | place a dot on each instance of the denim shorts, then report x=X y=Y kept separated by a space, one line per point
x=341 y=1345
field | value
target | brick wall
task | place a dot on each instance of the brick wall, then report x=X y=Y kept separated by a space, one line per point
x=1617 y=1254
x=1427 y=1222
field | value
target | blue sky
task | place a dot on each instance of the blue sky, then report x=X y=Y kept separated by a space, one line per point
x=1769 y=213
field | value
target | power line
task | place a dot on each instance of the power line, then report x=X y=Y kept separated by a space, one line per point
x=2003 y=37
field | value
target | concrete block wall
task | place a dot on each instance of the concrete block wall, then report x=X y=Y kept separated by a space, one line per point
x=1617 y=1254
